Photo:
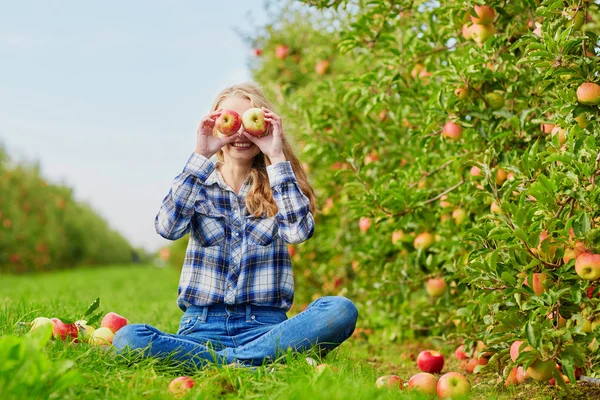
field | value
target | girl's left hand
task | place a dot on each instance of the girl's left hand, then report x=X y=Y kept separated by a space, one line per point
x=271 y=145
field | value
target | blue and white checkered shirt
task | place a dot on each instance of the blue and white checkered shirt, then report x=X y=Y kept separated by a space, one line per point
x=233 y=257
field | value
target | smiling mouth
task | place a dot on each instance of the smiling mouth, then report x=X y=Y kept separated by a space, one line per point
x=242 y=145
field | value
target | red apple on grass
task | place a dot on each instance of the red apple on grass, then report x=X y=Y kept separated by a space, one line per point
x=64 y=331
x=41 y=321
x=423 y=382
x=254 y=122
x=179 y=386
x=587 y=266
x=474 y=362
x=390 y=381
x=113 y=321
x=430 y=361
x=511 y=378
x=460 y=354
x=453 y=385
x=435 y=287
x=522 y=375
x=228 y=122
x=101 y=337
x=85 y=331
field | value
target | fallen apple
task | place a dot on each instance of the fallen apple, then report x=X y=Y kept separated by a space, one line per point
x=453 y=385
x=113 y=321
x=430 y=361
x=423 y=382
x=101 y=337
x=179 y=386
x=389 y=381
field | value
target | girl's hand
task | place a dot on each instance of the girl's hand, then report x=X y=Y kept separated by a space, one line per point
x=271 y=145
x=207 y=145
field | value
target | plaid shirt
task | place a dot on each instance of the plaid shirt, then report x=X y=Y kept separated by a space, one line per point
x=233 y=257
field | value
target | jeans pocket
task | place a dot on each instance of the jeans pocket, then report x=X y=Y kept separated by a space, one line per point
x=187 y=324
x=274 y=318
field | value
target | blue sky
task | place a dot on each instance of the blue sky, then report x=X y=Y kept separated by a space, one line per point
x=107 y=95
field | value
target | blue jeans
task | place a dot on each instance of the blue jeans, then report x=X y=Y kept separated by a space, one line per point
x=247 y=334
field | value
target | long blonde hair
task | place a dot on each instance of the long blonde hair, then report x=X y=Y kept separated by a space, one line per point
x=259 y=200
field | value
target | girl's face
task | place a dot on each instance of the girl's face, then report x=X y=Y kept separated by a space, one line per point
x=241 y=150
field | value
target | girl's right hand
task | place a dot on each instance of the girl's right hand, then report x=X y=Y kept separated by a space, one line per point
x=207 y=145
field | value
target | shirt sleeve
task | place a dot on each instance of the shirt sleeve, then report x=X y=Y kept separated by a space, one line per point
x=177 y=209
x=294 y=219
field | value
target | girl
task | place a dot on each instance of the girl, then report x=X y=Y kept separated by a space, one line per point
x=236 y=283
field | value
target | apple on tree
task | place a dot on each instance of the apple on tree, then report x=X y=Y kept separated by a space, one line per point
x=364 y=224
x=281 y=51
x=423 y=241
x=587 y=266
x=435 y=286
x=588 y=93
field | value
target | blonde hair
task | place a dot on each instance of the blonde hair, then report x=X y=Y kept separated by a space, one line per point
x=259 y=200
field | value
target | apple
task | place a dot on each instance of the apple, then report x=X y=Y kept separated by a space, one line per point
x=540 y=282
x=423 y=382
x=481 y=33
x=511 y=378
x=557 y=130
x=460 y=354
x=179 y=386
x=475 y=171
x=371 y=157
x=364 y=224
x=281 y=51
x=485 y=15
x=494 y=100
x=444 y=203
x=113 y=321
x=544 y=236
x=453 y=385
x=538 y=31
x=495 y=208
x=322 y=367
x=452 y=130
x=522 y=374
x=588 y=93
x=501 y=176
x=398 y=236
x=435 y=287
x=587 y=266
x=254 y=122
x=42 y=321
x=292 y=250
x=322 y=67
x=228 y=122
x=390 y=381
x=541 y=370
x=430 y=361
x=258 y=52
x=547 y=128
x=576 y=251
x=461 y=93
x=515 y=349
x=102 y=337
x=466 y=31
x=474 y=362
x=590 y=294
x=85 y=331
x=459 y=216
x=63 y=331
x=423 y=241
x=582 y=121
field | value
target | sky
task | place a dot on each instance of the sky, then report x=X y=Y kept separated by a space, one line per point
x=107 y=95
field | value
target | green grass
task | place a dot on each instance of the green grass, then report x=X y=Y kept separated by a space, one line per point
x=148 y=294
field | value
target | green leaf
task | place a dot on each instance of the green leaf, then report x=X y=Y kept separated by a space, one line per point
x=93 y=307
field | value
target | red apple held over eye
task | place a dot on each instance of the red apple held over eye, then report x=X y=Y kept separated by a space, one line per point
x=180 y=386
x=484 y=15
x=460 y=354
x=423 y=382
x=254 y=122
x=113 y=321
x=390 y=381
x=435 y=287
x=102 y=337
x=430 y=361
x=364 y=224
x=452 y=130
x=541 y=370
x=423 y=241
x=453 y=385
x=228 y=122
x=589 y=93
x=587 y=266
x=281 y=51
x=64 y=331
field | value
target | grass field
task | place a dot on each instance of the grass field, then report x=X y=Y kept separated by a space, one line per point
x=147 y=294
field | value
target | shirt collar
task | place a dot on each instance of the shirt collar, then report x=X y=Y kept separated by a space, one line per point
x=216 y=177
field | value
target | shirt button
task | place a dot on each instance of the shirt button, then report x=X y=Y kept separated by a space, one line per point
x=237 y=234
